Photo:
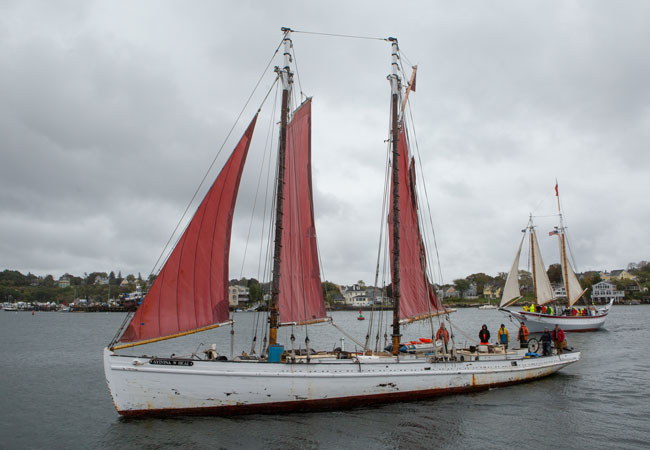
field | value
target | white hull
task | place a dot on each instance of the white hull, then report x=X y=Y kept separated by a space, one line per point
x=536 y=322
x=487 y=307
x=140 y=387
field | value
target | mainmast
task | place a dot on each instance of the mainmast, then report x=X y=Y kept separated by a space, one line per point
x=532 y=257
x=395 y=88
x=286 y=78
x=565 y=270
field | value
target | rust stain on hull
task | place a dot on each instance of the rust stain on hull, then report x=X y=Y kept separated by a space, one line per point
x=320 y=404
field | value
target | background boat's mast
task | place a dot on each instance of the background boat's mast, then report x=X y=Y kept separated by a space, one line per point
x=395 y=87
x=532 y=256
x=565 y=270
x=286 y=78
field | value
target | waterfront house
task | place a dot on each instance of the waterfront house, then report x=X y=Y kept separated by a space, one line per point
x=491 y=291
x=606 y=290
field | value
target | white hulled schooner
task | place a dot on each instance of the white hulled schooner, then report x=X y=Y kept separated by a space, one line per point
x=543 y=292
x=190 y=294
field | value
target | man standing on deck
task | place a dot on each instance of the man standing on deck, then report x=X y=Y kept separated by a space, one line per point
x=546 y=343
x=523 y=336
x=559 y=339
x=443 y=335
x=484 y=335
x=503 y=336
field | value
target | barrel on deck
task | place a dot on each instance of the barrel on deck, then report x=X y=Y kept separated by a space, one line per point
x=275 y=353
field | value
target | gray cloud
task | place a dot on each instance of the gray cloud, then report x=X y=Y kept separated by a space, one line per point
x=111 y=113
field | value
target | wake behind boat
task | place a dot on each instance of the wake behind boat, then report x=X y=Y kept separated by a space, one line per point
x=190 y=294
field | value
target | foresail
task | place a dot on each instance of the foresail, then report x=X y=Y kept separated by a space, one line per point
x=417 y=296
x=300 y=298
x=511 y=288
x=544 y=291
x=191 y=290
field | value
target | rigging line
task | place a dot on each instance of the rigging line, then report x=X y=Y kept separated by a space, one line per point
x=423 y=241
x=426 y=195
x=406 y=59
x=295 y=62
x=269 y=140
x=267 y=147
x=381 y=238
x=341 y=35
x=219 y=152
x=257 y=191
x=347 y=334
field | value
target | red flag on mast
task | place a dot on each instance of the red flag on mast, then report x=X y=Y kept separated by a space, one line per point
x=556 y=192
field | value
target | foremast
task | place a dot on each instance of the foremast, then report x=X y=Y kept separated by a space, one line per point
x=286 y=76
x=395 y=277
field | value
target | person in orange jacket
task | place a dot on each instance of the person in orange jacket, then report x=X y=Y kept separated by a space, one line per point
x=443 y=335
x=523 y=335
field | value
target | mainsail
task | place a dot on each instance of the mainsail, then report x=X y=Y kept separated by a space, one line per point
x=191 y=290
x=300 y=297
x=417 y=295
x=543 y=289
x=572 y=285
x=511 y=288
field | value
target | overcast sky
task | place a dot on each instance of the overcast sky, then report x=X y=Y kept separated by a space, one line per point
x=112 y=111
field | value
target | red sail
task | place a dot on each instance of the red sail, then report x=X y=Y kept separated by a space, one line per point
x=191 y=290
x=417 y=295
x=301 y=295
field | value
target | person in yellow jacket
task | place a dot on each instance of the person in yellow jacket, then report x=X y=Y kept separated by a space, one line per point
x=526 y=308
x=503 y=336
x=532 y=307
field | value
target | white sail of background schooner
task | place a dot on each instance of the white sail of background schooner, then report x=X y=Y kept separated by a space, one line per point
x=190 y=295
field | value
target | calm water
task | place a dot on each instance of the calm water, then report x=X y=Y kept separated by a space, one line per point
x=53 y=395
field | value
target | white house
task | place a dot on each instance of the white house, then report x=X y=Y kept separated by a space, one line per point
x=559 y=290
x=605 y=291
x=237 y=294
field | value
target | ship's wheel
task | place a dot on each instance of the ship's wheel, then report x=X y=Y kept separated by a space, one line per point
x=533 y=345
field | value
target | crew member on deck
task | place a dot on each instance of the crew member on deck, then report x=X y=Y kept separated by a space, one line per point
x=559 y=339
x=443 y=335
x=546 y=342
x=503 y=336
x=484 y=335
x=523 y=335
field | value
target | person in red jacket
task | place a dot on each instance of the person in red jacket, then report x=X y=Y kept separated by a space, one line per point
x=484 y=335
x=559 y=340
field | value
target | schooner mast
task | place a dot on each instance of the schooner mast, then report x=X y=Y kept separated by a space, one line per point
x=287 y=82
x=573 y=288
x=395 y=277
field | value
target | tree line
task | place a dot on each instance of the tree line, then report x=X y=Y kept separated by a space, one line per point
x=15 y=286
